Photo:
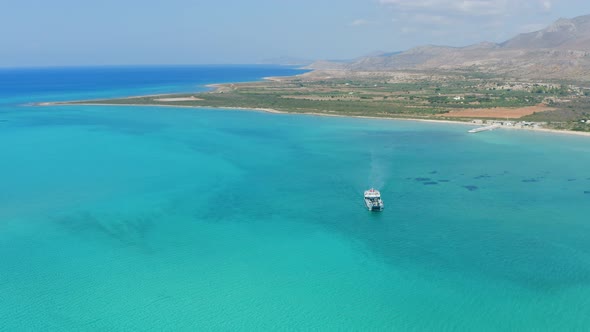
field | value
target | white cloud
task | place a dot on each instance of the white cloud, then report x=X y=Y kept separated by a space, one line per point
x=407 y=30
x=431 y=19
x=360 y=22
x=464 y=22
x=468 y=7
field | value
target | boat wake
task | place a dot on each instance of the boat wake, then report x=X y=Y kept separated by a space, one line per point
x=378 y=170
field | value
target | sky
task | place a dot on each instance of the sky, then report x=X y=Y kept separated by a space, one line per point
x=123 y=32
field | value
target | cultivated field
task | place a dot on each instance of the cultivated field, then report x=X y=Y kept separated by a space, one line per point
x=412 y=94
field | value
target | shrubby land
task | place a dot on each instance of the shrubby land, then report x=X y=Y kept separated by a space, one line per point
x=543 y=77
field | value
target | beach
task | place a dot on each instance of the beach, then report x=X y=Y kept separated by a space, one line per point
x=327 y=93
x=274 y=111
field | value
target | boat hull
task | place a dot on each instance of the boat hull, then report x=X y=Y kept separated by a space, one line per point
x=373 y=206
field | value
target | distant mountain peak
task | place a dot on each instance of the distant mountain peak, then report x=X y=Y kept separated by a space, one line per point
x=563 y=24
x=571 y=34
x=560 y=50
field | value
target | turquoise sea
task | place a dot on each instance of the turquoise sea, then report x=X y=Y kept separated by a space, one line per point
x=164 y=219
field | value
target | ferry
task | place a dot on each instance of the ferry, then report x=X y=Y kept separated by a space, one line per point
x=373 y=200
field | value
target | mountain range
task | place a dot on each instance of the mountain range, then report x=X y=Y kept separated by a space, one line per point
x=559 y=51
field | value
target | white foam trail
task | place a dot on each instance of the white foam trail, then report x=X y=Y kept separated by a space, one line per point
x=378 y=172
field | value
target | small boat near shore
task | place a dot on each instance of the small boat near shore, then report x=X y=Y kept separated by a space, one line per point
x=373 y=200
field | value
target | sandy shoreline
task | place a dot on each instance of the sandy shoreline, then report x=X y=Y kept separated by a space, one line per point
x=274 y=111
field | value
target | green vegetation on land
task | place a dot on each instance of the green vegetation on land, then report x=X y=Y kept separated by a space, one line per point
x=397 y=95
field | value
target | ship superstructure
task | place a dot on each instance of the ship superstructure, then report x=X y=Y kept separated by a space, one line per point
x=373 y=200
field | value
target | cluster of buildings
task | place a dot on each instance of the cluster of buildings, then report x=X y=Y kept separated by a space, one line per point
x=513 y=124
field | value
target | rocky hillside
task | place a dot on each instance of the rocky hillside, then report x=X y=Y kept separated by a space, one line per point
x=562 y=50
x=564 y=34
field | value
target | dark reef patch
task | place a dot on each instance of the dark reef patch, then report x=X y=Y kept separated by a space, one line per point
x=128 y=232
x=531 y=180
x=471 y=188
x=444 y=180
x=422 y=179
x=570 y=180
x=430 y=183
x=483 y=176
x=433 y=172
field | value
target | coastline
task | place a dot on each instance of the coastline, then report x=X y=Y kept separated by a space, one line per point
x=274 y=111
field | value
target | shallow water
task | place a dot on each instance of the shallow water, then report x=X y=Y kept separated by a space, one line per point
x=132 y=218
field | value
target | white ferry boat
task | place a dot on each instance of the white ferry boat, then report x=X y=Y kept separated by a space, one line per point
x=373 y=200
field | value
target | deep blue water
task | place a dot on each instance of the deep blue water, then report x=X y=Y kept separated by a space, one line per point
x=143 y=218
x=22 y=85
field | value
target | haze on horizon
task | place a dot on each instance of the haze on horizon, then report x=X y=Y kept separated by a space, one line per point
x=109 y=32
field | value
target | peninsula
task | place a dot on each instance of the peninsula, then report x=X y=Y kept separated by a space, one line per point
x=539 y=79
